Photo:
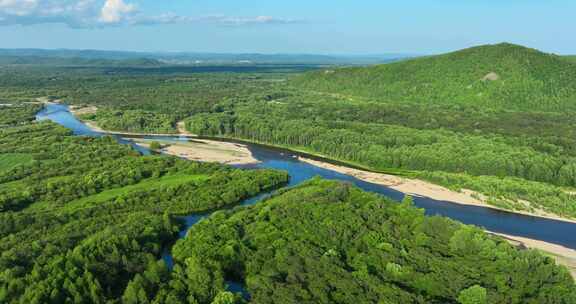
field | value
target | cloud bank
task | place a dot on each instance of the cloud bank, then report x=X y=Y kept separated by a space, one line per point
x=105 y=13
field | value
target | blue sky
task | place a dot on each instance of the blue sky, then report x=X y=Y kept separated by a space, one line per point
x=295 y=26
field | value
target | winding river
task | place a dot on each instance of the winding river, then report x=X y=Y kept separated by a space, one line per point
x=547 y=230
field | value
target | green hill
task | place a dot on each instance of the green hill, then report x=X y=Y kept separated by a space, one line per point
x=503 y=75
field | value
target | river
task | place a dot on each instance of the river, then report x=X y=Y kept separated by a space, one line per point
x=547 y=230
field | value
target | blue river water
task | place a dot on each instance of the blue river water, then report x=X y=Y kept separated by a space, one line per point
x=548 y=230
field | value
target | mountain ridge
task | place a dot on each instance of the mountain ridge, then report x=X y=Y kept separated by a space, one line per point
x=502 y=75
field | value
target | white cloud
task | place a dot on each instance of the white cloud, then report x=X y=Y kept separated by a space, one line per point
x=18 y=7
x=75 y=13
x=101 y=13
x=115 y=11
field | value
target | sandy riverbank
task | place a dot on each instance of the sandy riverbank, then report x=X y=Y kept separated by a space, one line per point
x=196 y=149
x=562 y=255
x=206 y=151
x=82 y=110
x=422 y=188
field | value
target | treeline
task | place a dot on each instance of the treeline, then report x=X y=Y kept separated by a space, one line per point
x=328 y=242
x=81 y=217
x=140 y=102
x=14 y=114
x=506 y=76
x=384 y=146
x=134 y=121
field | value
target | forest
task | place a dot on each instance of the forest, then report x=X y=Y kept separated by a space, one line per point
x=14 y=114
x=85 y=220
x=329 y=242
x=81 y=217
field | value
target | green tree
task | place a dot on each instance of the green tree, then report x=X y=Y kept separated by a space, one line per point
x=473 y=295
x=155 y=145
x=224 y=297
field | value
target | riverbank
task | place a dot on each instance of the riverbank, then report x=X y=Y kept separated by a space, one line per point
x=415 y=187
x=196 y=149
x=563 y=256
x=204 y=150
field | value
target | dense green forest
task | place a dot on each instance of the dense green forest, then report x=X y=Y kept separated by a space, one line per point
x=505 y=76
x=14 y=114
x=329 y=242
x=144 y=102
x=133 y=121
x=81 y=217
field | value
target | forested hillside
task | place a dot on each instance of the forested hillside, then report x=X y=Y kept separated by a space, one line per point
x=506 y=76
x=328 y=242
x=81 y=217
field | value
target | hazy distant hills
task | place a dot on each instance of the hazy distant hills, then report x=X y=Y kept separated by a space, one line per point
x=77 y=61
x=571 y=58
x=96 y=57
x=504 y=75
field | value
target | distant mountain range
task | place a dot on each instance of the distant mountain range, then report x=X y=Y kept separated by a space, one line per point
x=96 y=57
x=503 y=75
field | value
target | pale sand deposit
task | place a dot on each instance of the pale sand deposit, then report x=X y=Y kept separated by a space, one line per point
x=198 y=149
x=562 y=255
x=82 y=110
x=206 y=151
x=414 y=187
